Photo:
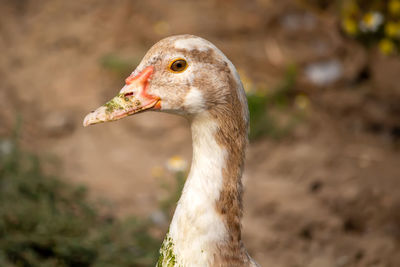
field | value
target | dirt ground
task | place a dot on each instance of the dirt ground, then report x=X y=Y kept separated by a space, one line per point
x=327 y=195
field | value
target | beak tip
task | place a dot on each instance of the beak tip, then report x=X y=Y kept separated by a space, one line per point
x=89 y=119
x=97 y=116
x=86 y=121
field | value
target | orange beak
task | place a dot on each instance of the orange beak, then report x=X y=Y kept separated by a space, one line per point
x=132 y=99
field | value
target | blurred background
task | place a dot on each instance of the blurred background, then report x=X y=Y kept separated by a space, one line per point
x=322 y=178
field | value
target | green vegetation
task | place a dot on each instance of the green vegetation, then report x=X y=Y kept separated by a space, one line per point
x=121 y=67
x=45 y=222
x=264 y=108
x=167 y=205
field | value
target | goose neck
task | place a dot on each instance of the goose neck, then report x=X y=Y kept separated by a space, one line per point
x=207 y=217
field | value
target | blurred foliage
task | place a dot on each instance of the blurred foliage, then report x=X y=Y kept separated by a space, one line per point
x=373 y=22
x=121 y=67
x=264 y=108
x=178 y=171
x=168 y=204
x=45 y=222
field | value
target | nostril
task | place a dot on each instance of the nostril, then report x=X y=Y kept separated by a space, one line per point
x=128 y=94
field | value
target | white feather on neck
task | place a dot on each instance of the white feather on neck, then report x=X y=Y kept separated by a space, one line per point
x=196 y=226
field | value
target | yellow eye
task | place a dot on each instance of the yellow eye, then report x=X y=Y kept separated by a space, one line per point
x=178 y=65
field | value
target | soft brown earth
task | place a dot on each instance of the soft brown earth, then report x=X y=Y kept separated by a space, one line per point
x=326 y=195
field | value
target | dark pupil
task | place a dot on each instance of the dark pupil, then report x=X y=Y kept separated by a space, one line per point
x=178 y=65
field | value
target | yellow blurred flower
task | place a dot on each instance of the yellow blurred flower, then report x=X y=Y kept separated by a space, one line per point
x=176 y=164
x=392 y=29
x=350 y=26
x=387 y=46
x=302 y=102
x=394 y=7
x=371 y=21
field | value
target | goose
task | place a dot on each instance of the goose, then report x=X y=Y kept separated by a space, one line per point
x=189 y=76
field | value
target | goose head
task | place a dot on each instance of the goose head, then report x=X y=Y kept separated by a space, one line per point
x=184 y=75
